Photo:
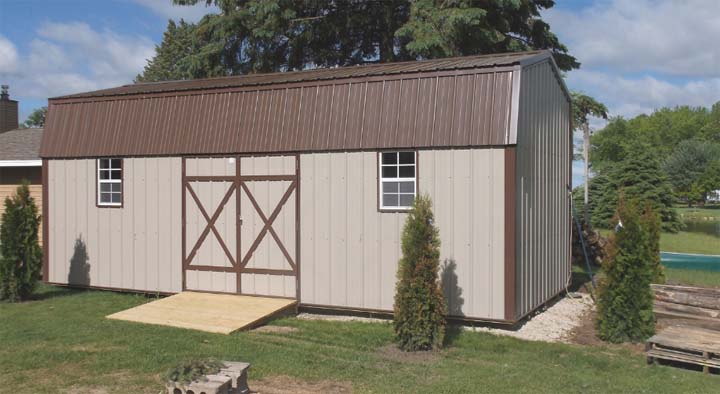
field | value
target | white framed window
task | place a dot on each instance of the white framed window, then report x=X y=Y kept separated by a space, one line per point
x=398 y=180
x=109 y=182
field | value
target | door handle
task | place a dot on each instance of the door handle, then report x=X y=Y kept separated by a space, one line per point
x=240 y=220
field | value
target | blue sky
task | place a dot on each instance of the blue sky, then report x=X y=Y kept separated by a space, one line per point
x=636 y=55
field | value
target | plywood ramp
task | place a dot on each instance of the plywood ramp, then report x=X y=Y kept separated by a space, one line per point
x=216 y=313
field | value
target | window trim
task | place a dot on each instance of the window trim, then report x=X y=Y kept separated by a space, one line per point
x=378 y=183
x=121 y=182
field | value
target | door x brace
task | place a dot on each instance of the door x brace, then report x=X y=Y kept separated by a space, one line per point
x=268 y=225
x=210 y=225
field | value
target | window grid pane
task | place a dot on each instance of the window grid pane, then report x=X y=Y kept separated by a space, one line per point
x=109 y=182
x=397 y=183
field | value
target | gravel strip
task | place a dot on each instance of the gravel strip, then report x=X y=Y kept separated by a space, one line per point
x=554 y=324
x=314 y=316
x=551 y=325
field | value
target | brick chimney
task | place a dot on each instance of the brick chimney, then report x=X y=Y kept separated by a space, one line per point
x=8 y=111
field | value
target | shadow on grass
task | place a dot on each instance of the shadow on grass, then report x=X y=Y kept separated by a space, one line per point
x=580 y=278
x=452 y=333
x=46 y=292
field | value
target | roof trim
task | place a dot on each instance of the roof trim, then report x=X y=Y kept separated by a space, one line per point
x=396 y=68
x=286 y=85
x=20 y=163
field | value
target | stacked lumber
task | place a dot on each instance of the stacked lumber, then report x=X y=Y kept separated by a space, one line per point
x=687 y=302
x=684 y=344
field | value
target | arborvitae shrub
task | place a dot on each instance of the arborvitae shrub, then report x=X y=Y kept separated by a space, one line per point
x=625 y=299
x=654 y=225
x=419 y=303
x=20 y=255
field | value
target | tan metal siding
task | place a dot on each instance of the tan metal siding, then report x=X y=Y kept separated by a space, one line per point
x=458 y=109
x=543 y=173
x=134 y=247
x=350 y=250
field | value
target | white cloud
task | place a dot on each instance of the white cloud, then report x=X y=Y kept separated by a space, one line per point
x=47 y=56
x=8 y=56
x=68 y=58
x=108 y=55
x=667 y=36
x=629 y=97
x=167 y=9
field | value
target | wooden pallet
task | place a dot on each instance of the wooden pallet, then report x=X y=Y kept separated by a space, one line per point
x=685 y=344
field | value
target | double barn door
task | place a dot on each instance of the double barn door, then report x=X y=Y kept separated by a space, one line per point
x=240 y=225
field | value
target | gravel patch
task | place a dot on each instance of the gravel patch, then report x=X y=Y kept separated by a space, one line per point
x=554 y=324
x=314 y=316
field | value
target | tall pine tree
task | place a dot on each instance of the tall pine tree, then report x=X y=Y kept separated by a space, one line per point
x=281 y=35
x=640 y=176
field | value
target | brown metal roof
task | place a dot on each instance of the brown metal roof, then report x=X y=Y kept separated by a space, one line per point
x=20 y=144
x=321 y=74
x=435 y=103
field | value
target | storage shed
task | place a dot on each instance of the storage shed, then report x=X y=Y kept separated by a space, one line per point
x=297 y=184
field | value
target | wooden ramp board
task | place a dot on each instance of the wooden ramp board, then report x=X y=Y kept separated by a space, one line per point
x=216 y=313
x=686 y=344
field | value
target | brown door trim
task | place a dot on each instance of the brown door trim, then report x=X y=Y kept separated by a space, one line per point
x=239 y=186
x=238 y=224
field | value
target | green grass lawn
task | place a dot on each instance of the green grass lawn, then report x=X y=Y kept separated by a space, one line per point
x=62 y=343
x=685 y=242
x=692 y=277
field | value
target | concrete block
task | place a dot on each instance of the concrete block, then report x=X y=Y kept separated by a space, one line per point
x=237 y=371
x=215 y=384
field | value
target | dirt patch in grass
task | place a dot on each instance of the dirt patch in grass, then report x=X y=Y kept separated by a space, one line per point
x=393 y=353
x=585 y=334
x=276 y=329
x=288 y=385
x=86 y=390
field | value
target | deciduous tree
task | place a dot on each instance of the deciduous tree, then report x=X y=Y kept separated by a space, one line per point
x=36 y=119
x=583 y=107
x=687 y=168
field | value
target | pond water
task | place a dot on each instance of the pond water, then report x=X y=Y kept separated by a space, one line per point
x=695 y=261
x=690 y=261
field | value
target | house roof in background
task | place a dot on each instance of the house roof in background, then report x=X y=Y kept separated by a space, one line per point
x=20 y=145
x=320 y=74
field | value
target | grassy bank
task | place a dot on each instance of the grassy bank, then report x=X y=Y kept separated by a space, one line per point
x=62 y=343
x=707 y=212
